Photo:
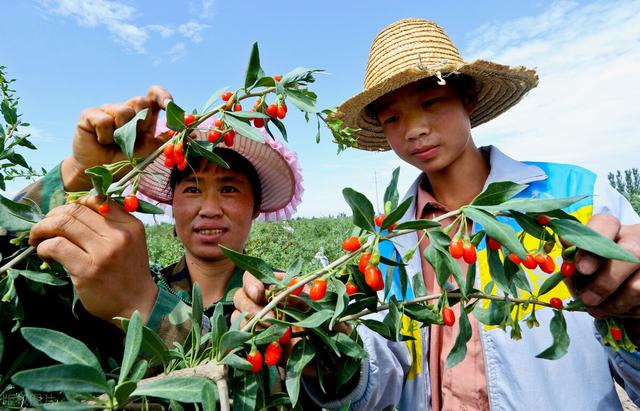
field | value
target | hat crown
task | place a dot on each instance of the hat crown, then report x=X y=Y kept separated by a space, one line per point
x=409 y=43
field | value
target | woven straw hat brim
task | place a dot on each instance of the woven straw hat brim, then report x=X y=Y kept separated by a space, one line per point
x=410 y=50
x=277 y=181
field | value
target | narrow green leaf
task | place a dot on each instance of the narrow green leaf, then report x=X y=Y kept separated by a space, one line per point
x=232 y=360
x=101 y=178
x=397 y=213
x=16 y=158
x=22 y=141
x=183 y=389
x=550 y=283
x=131 y=345
x=459 y=350
x=40 y=277
x=243 y=128
x=501 y=232
x=301 y=354
x=532 y=205
x=560 y=344
x=342 y=300
x=60 y=347
x=470 y=281
x=213 y=98
x=123 y=391
x=233 y=339
x=360 y=304
x=379 y=327
x=349 y=347
x=63 y=377
x=529 y=224
x=496 y=268
x=304 y=99
x=498 y=193
x=139 y=371
x=245 y=391
x=417 y=225
x=273 y=333
x=265 y=81
x=587 y=239
x=362 y=208
x=209 y=396
x=247 y=115
x=422 y=313
x=392 y=319
x=260 y=269
x=496 y=314
x=294 y=270
x=125 y=136
x=205 y=149
x=175 y=117
x=254 y=70
x=9 y=113
x=316 y=319
x=280 y=126
x=391 y=194
x=17 y=216
x=70 y=406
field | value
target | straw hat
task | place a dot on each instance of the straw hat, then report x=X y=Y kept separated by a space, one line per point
x=414 y=49
x=277 y=167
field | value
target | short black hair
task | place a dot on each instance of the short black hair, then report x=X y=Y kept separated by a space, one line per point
x=464 y=86
x=236 y=162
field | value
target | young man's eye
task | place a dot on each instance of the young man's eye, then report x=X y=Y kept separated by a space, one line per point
x=429 y=102
x=229 y=189
x=390 y=119
x=191 y=190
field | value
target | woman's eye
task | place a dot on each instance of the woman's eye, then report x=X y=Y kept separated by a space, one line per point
x=429 y=102
x=191 y=190
x=229 y=189
x=390 y=119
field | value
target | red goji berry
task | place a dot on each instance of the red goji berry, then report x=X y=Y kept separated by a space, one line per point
x=616 y=333
x=448 y=316
x=131 y=203
x=556 y=303
x=273 y=353
x=567 y=268
x=258 y=122
x=255 y=359
x=469 y=253
x=226 y=96
x=282 y=111
x=455 y=248
x=228 y=138
x=380 y=219
x=168 y=150
x=493 y=244
x=364 y=261
x=540 y=258
x=513 y=257
x=103 y=208
x=351 y=288
x=543 y=219
x=237 y=107
x=171 y=133
x=277 y=77
x=351 y=244
x=373 y=278
x=272 y=110
x=169 y=162
x=213 y=135
x=189 y=118
x=286 y=337
x=182 y=165
x=549 y=265
x=318 y=289
x=529 y=262
x=293 y=282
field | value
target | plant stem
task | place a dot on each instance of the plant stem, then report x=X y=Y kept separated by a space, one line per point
x=15 y=260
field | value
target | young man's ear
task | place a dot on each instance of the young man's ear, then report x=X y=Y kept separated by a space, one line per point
x=471 y=106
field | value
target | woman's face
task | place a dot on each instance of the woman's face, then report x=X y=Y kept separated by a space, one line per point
x=213 y=206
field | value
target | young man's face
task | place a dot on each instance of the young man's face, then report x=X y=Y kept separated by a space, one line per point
x=213 y=206
x=426 y=125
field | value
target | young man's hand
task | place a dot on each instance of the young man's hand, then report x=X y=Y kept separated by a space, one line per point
x=612 y=287
x=106 y=257
x=93 y=139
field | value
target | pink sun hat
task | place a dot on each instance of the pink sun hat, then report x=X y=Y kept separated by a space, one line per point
x=278 y=170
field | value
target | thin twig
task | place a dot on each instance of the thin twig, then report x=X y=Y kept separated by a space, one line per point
x=17 y=259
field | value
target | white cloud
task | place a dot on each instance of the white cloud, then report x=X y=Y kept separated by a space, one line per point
x=177 y=52
x=585 y=107
x=119 y=20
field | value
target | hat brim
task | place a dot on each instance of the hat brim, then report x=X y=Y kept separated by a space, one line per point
x=499 y=88
x=278 y=182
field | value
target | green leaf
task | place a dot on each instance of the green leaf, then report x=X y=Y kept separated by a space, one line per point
x=301 y=354
x=101 y=178
x=60 y=347
x=125 y=136
x=587 y=239
x=123 y=391
x=560 y=344
x=232 y=360
x=196 y=307
x=265 y=81
x=470 y=281
x=342 y=300
x=349 y=347
x=16 y=158
x=9 y=113
x=63 y=377
x=498 y=193
x=378 y=327
x=391 y=195
x=362 y=208
x=131 y=345
x=550 y=283
x=316 y=319
x=421 y=313
x=175 y=117
x=532 y=205
x=213 y=98
x=248 y=115
x=459 y=350
x=205 y=149
x=280 y=125
x=294 y=270
x=417 y=225
x=273 y=333
x=254 y=71
x=243 y=128
x=183 y=389
x=70 y=406
x=209 y=396
x=154 y=345
x=40 y=277
x=501 y=232
x=392 y=320
x=232 y=339
x=397 y=213
x=22 y=141
x=17 y=216
x=529 y=224
x=139 y=371
x=304 y=99
x=496 y=268
x=496 y=314
x=260 y=269
x=245 y=389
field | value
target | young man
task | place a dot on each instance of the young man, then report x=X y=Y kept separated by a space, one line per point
x=422 y=100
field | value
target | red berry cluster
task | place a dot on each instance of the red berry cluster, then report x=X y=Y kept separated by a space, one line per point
x=218 y=130
x=174 y=156
x=379 y=220
x=272 y=353
x=277 y=110
x=465 y=249
x=372 y=274
x=540 y=259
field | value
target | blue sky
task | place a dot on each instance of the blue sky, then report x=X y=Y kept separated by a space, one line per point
x=68 y=55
